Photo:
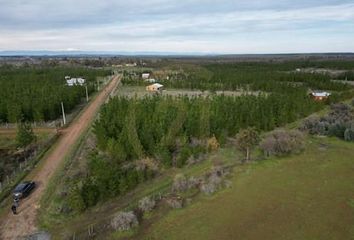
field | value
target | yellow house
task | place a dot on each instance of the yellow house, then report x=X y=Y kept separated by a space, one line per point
x=154 y=87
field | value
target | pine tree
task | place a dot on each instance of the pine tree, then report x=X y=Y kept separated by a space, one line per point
x=25 y=135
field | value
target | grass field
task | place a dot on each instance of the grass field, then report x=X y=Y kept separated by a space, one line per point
x=140 y=92
x=306 y=196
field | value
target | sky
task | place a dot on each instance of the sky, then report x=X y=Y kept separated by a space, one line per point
x=181 y=26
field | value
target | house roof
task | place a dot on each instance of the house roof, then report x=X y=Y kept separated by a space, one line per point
x=157 y=85
x=320 y=94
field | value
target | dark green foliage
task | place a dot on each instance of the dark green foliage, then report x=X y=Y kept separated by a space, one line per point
x=263 y=76
x=105 y=180
x=35 y=94
x=163 y=127
x=25 y=135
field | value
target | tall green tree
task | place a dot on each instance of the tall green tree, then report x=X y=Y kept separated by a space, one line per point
x=25 y=135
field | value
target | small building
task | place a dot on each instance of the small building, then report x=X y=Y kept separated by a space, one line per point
x=75 y=81
x=320 y=96
x=154 y=87
x=145 y=75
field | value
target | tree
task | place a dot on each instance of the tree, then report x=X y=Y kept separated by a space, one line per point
x=25 y=135
x=247 y=139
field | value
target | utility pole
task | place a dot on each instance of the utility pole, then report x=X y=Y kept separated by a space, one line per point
x=62 y=109
x=87 y=99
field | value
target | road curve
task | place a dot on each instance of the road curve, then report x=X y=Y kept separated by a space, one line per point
x=25 y=223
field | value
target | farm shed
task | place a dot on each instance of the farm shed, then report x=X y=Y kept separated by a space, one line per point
x=320 y=96
x=154 y=87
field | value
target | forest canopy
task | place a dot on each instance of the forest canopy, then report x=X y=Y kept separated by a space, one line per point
x=35 y=94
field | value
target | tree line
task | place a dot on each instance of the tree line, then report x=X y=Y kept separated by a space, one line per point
x=133 y=128
x=35 y=94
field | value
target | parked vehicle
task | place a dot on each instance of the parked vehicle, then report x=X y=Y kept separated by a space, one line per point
x=23 y=189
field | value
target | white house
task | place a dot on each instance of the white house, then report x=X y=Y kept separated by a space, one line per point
x=319 y=96
x=75 y=81
x=145 y=75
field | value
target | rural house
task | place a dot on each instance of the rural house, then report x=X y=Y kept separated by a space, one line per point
x=320 y=96
x=74 y=81
x=154 y=87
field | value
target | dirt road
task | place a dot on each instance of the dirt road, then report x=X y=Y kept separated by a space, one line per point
x=13 y=227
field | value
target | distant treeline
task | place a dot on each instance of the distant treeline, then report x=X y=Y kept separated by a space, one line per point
x=35 y=94
x=270 y=77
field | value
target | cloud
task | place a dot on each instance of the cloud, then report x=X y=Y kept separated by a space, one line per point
x=170 y=25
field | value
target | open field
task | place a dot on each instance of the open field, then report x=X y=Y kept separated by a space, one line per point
x=308 y=196
x=140 y=91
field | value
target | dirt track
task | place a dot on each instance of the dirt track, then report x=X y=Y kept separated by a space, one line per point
x=13 y=227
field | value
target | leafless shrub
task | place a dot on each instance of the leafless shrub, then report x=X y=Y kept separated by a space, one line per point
x=175 y=202
x=208 y=188
x=147 y=204
x=193 y=182
x=147 y=164
x=195 y=159
x=195 y=142
x=281 y=142
x=180 y=183
x=123 y=221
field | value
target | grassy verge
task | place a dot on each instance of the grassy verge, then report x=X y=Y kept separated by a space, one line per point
x=307 y=196
x=58 y=223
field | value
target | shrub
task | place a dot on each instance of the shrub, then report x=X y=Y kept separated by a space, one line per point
x=337 y=130
x=208 y=188
x=123 y=221
x=175 y=202
x=183 y=156
x=349 y=134
x=281 y=142
x=180 y=183
x=147 y=204
x=213 y=144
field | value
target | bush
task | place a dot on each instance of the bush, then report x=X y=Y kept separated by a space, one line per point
x=147 y=204
x=213 y=144
x=183 y=156
x=349 y=134
x=123 y=221
x=281 y=142
x=175 y=202
x=180 y=183
x=337 y=130
x=208 y=188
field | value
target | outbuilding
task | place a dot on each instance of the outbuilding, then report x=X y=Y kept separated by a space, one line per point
x=145 y=75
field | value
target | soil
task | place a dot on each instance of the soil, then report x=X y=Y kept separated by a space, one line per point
x=25 y=223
